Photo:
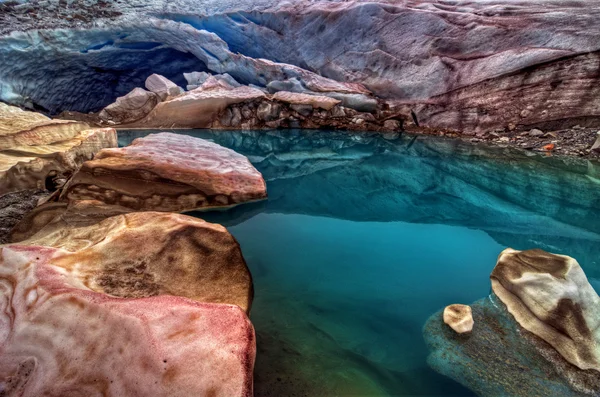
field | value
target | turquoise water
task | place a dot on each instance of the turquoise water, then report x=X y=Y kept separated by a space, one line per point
x=363 y=238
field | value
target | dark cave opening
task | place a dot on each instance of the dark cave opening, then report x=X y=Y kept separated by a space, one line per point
x=92 y=79
x=49 y=182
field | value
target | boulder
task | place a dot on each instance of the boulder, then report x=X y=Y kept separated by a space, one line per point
x=95 y=312
x=217 y=83
x=535 y=133
x=23 y=128
x=198 y=108
x=360 y=102
x=167 y=172
x=131 y=107
x=168 y=263
x=596 y=144
x=228 y=79
x=226 y=118
x=316 y=101
x=35 y=150
x=195 y=79
x=236 y=117
x=17 y=119
x=289 y=85
x=34 y=167
x=268 y=111
x=459 y=318
x=302 y=109
x=325 y=91
x=550 y=296
x=162 y=86
x=392 y=125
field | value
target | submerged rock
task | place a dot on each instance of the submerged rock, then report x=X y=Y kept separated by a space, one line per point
x=498 y=357
x=89 y=315
x=36 y=150
x=536 y=335
x=167 y=172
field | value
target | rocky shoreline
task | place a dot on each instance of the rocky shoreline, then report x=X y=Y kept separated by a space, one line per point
x=577 y=141
x=220 y=102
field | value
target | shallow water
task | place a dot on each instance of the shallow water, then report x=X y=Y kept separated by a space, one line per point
x=363 y=238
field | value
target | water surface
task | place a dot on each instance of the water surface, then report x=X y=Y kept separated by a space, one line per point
x=363 y=238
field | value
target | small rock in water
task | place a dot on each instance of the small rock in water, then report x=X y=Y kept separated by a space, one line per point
x=459 y=318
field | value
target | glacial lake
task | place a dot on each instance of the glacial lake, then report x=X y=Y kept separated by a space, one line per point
x=363 y=238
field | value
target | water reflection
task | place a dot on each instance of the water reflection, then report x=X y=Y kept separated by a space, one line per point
x=520 y=199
